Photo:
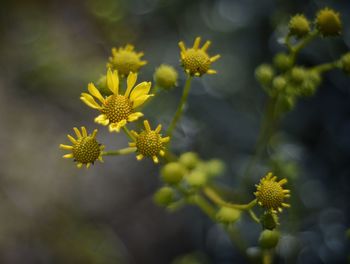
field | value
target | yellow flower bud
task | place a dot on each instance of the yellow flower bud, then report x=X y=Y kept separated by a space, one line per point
x=299 y=26
x=165 y=76
x=328 y=22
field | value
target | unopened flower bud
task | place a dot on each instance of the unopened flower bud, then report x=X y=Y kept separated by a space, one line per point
x=345 y=63
x=282 y=61
x=164 y=196
x=328 y=22
x=173 y=172
x=269 y=239
x=264 y=74
x=299 y=26
x=189 y=160
x=269 y=220
x=228 y=215
x=165 y=76
x=196 y=178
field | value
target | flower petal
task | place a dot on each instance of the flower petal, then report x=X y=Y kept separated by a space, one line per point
x=140 y=89
x=140 y=100
x=102 y=119
x=113 y=81
x=95 y=92
x=132 y=77
x=117 y=126
x=89 y=101
x=134 y=116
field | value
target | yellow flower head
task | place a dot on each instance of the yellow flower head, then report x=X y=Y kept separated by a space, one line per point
x=117 y=110
x=299 y=26
x=125 y=60
x=270 y=193
x=328 y=22
x=149 y=143
x=85 y=150
x=195 y=60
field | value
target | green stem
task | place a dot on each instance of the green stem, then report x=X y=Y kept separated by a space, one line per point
x=206 y=207
x=119 y=152
x=297 y=48
x=253 y=216
x=267 y=257
x=180 y=107
x=326 y=67
x=215 y=197
x=264 y=135
x=128 y=133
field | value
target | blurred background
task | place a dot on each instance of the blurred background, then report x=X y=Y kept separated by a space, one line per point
x=51 y=212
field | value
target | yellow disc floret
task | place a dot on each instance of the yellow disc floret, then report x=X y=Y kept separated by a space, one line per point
x=125 y=60
x=270 y=193
x=117 y=110
x=85 y=149
x=328 y=22
x=195 y=60
x=149 y=143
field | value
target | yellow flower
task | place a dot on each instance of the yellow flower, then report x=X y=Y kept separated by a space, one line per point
x=149 y=143
x=195 y=60
x=125 y=60
x=328 y=22
x=85 y=150
x=270 y=193
x=117 y=110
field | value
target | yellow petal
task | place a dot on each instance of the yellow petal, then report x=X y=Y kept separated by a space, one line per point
x=95 y=92
x=139 y=157
x=102 y=119
x=155 y=159
x=215 y=58
x=211 y=71
x=94 y=133
x=72 y=139
x=84 y=132
x=77 y=132
x=182 y=46
x=140 y=89
x=140 y=100
x=158 y=129
x=113 y=81
x=196 y=43
x=164 y=140
x=68 y=156
x=89 y=100
x=206 y=45
x=117 y=126
x=147 y=126
x=132 y=77
x=66 y=147
x=134 y=116
x=79 y=165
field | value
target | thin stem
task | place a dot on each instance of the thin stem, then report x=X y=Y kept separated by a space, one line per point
x=296 y=49
x=128 y=133
x=267 y=257
x=253 y=216
x=180 y=107
x=119 y=152
x=206 y=207
x=326 y=67
x=215 y=197
x=264 y=135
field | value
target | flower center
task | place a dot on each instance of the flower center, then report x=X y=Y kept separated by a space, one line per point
x=126 y=61
x=149 y=143
x=270 y=194
x=117 y=108
x=86 y=150
x=196 y=61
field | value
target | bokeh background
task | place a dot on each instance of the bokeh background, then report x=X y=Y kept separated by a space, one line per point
x=51 y=212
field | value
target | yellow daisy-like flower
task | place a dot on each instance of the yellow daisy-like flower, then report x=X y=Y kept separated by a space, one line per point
x=85 y=149
x=149 y=143
x=270 y=193
x=117 y=110
x=195 y=60
x=125 y=60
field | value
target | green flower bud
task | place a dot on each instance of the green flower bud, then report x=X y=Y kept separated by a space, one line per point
x=298 y=75
x=189 y=160
x=278 y=83
x=101 y=85
x=165 y=76
x=215 y=167
x=345 y=63
x=173 y=172
x=269 y=220
x=164 y=196
x=264 y=74
x=282 y=61
x=299 y=26
x=228 y=215
x=269 y=239
x=328 y=22
x=196 y=178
